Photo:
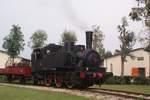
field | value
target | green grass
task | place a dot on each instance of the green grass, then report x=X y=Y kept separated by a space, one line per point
x=131 y=88
x=15 y=93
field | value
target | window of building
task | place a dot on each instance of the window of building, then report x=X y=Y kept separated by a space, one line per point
x=140 y=58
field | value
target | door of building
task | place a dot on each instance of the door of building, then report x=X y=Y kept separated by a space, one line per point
x=142 y=72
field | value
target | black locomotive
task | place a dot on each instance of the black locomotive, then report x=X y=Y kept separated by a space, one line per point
x=69 y=65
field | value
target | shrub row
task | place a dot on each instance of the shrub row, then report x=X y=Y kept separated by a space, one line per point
x=2 y=77
x=128 y=80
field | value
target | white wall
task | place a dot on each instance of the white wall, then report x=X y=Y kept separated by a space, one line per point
x=3 y=59
x=137 y=63
x=115 y=62
x=131 y=63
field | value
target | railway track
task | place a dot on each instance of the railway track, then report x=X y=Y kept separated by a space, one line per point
x=90 y=92
x=130 y=95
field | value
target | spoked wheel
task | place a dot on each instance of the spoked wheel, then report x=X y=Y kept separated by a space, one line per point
x=69 y=84
x=48 y=81
x=58 y=82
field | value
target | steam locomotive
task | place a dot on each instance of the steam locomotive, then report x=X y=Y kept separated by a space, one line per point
x=69 y=65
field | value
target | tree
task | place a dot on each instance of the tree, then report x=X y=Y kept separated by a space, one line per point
x=142 y=13
x=14 y=42
x=117 y=52
x=68 y=36
x=127 y=39
x=108 y=54
x=38 y=39
x=98 y=38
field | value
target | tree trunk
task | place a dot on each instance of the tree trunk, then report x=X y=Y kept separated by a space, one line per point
x=122 y=67
x=13 y=61
x=149 y=63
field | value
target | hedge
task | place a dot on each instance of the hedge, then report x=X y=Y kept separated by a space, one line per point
x=128 y=80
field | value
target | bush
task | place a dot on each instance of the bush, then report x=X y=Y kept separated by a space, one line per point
x=108 y=75
x=141 y=80
x=128 y=80
x=2 y=77
x=114 y=80
x=148 y=81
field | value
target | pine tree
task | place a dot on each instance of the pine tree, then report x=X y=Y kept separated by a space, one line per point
x=14 y=42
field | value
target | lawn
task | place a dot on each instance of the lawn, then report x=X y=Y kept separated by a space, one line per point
x=131 y=88
x=14 y=93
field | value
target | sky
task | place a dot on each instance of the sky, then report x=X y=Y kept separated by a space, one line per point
x=54 y=16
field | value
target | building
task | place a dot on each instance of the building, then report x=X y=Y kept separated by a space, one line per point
x=138 y=65
x=4 y=58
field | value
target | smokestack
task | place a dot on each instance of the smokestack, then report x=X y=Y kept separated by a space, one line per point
x=89 y=39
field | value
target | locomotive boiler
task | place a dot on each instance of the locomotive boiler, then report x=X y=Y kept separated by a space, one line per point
x=68 y=65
